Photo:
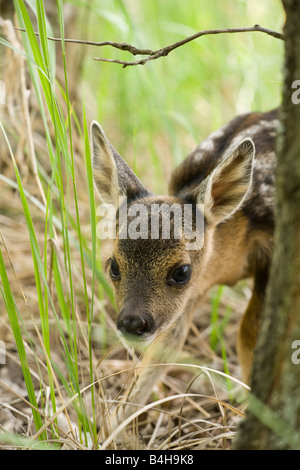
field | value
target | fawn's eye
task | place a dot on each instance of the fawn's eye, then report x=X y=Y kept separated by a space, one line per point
x=181 y=275
x=114 y=269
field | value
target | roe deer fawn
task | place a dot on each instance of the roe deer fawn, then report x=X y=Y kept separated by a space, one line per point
x=158 y=282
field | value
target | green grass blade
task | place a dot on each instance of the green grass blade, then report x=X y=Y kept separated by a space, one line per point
x=13 y=318
x=214 y=335
x=43 y=33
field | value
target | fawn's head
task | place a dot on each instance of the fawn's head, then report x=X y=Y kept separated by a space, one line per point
x=163 y=244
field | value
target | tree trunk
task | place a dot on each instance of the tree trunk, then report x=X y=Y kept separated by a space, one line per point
x=273 y=417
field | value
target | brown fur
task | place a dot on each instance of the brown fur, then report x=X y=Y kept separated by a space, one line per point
x=237 y=194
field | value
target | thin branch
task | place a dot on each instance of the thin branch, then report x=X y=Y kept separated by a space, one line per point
x=123 y=46
x=163 y=52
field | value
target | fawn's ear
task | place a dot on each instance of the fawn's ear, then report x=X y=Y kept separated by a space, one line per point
x=226 y=187
x=112 y=176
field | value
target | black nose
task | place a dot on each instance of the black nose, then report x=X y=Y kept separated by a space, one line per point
x=135 y=324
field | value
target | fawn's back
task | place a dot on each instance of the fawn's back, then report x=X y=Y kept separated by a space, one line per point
x=258 y=206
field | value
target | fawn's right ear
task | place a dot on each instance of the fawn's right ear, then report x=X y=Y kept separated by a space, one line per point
x=112 y=176
x=225 y=188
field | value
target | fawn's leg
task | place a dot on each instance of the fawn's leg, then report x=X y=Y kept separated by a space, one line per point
x=250 y=324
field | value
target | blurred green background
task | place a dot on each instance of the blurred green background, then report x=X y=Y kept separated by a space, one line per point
x=157 y=113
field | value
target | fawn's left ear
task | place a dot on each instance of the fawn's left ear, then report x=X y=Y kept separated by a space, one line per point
x=225 y=188
x=112 y=175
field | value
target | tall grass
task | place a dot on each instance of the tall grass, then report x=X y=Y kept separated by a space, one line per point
x=154 y=115
x=63 y=179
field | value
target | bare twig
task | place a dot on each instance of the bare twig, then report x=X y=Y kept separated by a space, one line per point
x=164 y=51
x=123 y=46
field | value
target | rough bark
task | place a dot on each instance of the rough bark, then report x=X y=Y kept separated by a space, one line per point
x=273 y=418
